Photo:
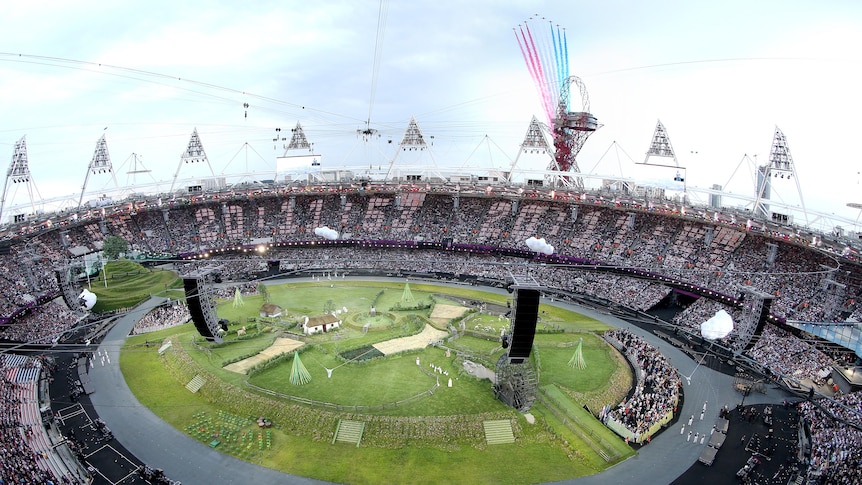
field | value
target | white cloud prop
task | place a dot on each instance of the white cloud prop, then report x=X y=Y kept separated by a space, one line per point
x=89 y=298
x=326 y=233
x=719 y=326
x=539 y=245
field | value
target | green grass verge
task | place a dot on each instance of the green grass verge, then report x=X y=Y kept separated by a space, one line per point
x=592 y=432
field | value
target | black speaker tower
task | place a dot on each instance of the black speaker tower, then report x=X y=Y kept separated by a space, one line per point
x=516 y=381
x=526 y=314
x=198 y=287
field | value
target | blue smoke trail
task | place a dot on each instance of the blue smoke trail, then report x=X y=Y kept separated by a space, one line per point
x=557 y=53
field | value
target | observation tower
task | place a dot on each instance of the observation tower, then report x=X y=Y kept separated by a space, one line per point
x=564 y=98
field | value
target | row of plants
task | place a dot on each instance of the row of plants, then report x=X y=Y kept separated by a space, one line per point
x=377 y=297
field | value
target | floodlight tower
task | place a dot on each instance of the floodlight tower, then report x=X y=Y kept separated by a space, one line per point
x=19 y=174
x=780 y=166
x=194 y=154
x=100 y=164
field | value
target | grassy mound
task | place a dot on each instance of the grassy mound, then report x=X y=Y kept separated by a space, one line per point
x=124 y=284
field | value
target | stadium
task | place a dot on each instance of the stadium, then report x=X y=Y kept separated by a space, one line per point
x=637 y=259
x=402 y=318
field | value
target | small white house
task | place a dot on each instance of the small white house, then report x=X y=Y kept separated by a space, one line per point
x=321 y=323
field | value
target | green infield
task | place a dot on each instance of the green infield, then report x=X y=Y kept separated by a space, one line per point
x=423 y=412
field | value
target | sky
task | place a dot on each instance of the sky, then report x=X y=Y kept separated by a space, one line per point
x=721 y=76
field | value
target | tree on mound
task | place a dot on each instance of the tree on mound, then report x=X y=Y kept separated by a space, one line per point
x=261 y=289
x=298 y=373
x=237 y=299
x=407 y=296
x=577 y=359
x=113 y=246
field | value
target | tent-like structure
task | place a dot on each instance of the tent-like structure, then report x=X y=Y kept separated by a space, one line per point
x=577 y=359
x=298 y=373
x=237 y=299
x=407 y=296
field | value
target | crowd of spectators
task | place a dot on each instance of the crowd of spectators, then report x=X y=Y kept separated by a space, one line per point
x=722 y=256
x=836 y=448
x=26 y=275
x=657 y=389
x=43 y=325
x=165 y=316
x=845 y=407
x=19 y=463
x=228 y=291
x=786 y=355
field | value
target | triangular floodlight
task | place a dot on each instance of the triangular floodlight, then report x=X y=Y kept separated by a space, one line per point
x=412 y=137
x=298 y=141
x=194 y=154
x=779 y=155
x=195 y=151
x=780 y=165
x=535 y=142
x=19 y=173
x=535 y=139
x=661 y=147
x=100 y=164
x=413 y=140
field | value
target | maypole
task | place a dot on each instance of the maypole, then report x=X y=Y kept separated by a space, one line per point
x=407 y=296
x=577 y=359
x=237 y=299
x=298 y=373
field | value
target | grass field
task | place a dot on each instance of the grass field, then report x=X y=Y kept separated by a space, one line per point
x=432 y=437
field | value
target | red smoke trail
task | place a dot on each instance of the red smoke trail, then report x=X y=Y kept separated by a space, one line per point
x=542 y=82
x=524 y=54
x=531 y=65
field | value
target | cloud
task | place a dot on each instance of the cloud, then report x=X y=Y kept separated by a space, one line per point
x=539 y=245
x=326 y=233
x=719 y=326
x=87 y=298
